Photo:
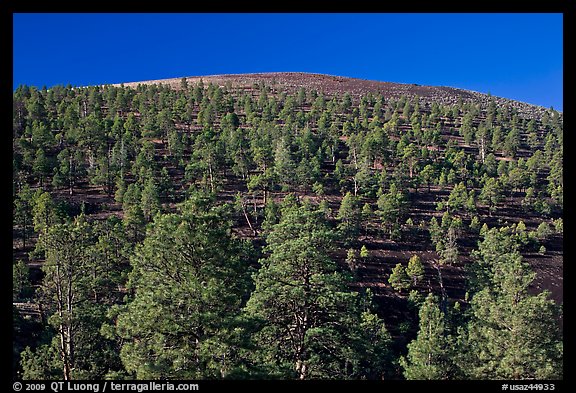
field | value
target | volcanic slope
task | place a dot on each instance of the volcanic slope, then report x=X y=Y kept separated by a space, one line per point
x=330 y=85
x=226 y=133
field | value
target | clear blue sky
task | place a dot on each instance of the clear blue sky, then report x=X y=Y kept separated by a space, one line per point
x=517 y=56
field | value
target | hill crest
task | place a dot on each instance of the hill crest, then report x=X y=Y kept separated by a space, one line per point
x=356 y=87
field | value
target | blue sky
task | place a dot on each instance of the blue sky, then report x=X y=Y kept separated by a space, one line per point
x=517 y=56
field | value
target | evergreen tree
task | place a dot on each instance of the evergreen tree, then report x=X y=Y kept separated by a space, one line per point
x=352 y=259
x=399 y=279
x=284 y=166
x=20 y=280
x=120 y=189
x=491 y=194
x=209 y=154
x=312 y=325
x=159 y=144
x=189 y=277
x=71 y=167
x=23 y=212
x=447 y=247
x=41 y=363
x=364 y=252
x=349 y=216
x=150 y=202
x=42 y=138
x=391 y=208
x=429 y=354
x=428 y=174
x=64 y=289
x=41 y=167
x=83 y=269
x=511 y=334
x=44 y=211
x=415 y=269
x=458 y=197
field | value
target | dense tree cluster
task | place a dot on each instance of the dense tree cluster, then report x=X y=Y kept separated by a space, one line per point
x=135 y=201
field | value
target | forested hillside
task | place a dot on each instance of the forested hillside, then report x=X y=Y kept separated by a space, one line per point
x=291 y=226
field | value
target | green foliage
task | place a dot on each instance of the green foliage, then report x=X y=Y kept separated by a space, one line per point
x=318 y=189
x=23 y=213
x=184 y=314
x=435 y=231
x=284 y=165
x=133 y=219
x=44 y=212
x=349 y=216
x=415 y=299
x=491 y=193
x=392 y=208
x=458 y=197
x=428 y=355
x=77 y=289
x=364 y=252
x=399 y=279
x=41 y=166
x=428 y=175
x=40 y=364
x=511 y=334
x=20 y=281
x=150 y=202
x=311 y=324
x=542 y=250
x=475 y=224
x=543 y=230
x=559 y=226
x=512 y=142
x=120 y=190
x=352 y=259
x=188 y=279
x=447 y=248
x=42 y=138
x=415 y=269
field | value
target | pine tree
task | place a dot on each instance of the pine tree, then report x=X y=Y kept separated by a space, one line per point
x=491 y=193
x=64 y=291
x=458 y=197
x=120 y=190
x=349 y=216
x=364 y=252
x=150 y=202
x=133 y=219
x=447 y=248
x=41 y=167
x=429 y=354
x=189 y=277
x=23 y=212
x=391 y=208
x=352 y=259
x=85 y=264
x=284 y=166
x=20 y=280
x=398 y=278
x=512 y=334
x=311 y=324
x=415 y=269
x=428 y=174
x=44 y=211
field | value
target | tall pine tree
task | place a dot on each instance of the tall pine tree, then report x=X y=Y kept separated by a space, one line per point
x=311 y=325
x=512 y=334
x=189 y=278
x=428 y=355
